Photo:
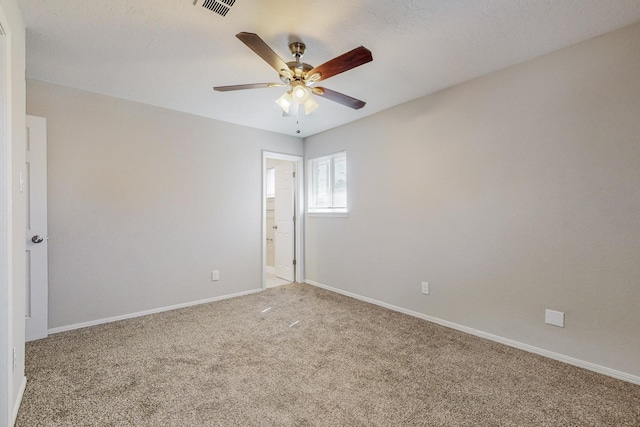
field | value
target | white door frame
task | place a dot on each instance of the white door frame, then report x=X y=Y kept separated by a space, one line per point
x=298 y=192
x=6 y=325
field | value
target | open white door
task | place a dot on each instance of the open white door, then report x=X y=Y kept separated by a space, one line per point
x=284 y=222
x=35 y=187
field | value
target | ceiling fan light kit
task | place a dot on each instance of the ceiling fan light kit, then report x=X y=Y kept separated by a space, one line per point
x=299 y=95
x=301 y=76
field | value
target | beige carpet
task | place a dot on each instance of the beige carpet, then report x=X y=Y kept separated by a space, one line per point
x=344 y=363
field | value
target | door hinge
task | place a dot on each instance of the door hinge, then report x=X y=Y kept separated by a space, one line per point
x=294 y=218
x=294 y=262
x=294 y=174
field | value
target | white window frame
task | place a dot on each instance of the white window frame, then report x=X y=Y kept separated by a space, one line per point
x=331 y=210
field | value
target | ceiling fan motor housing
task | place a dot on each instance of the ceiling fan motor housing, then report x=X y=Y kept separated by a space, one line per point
x=297 y=70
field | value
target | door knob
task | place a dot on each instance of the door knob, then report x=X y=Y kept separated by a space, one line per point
x=37 y=239
x=275 y=227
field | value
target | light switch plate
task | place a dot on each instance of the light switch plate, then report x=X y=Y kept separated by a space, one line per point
x=425 y=288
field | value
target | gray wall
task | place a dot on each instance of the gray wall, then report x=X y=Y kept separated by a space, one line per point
x=144 y=202
x=510 y=194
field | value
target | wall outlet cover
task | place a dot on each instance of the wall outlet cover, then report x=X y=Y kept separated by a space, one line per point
x=555 y=318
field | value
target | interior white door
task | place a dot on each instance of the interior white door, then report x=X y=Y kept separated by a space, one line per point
x=284 y=222
x=34 y=184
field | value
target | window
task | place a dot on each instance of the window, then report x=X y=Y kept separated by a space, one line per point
x=328 y=184
x=271 y=182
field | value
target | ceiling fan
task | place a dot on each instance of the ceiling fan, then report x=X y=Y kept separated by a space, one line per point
x=302 y=77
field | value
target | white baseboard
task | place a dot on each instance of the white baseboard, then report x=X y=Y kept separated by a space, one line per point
x=271 y=270
x=147 y=312
x=16 y=406
x=506 y=341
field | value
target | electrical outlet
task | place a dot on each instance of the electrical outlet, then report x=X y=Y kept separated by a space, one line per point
x=555 y=318
x=425 y=288
x=215 y=275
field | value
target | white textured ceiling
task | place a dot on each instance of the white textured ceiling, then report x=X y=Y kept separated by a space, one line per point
x=169 y=53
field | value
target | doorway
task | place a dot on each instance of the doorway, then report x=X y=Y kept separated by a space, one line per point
x=282 y=219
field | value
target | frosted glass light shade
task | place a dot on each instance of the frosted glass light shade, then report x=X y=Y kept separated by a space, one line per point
x=300 y=94
x=285 y=102
x=309 y=105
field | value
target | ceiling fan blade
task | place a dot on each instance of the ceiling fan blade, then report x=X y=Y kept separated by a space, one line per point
x=345 y=62
x=249 y=86
x=338 y=97
x=256 y=44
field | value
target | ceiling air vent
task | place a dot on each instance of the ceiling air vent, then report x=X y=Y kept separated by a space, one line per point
x=221 y=7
